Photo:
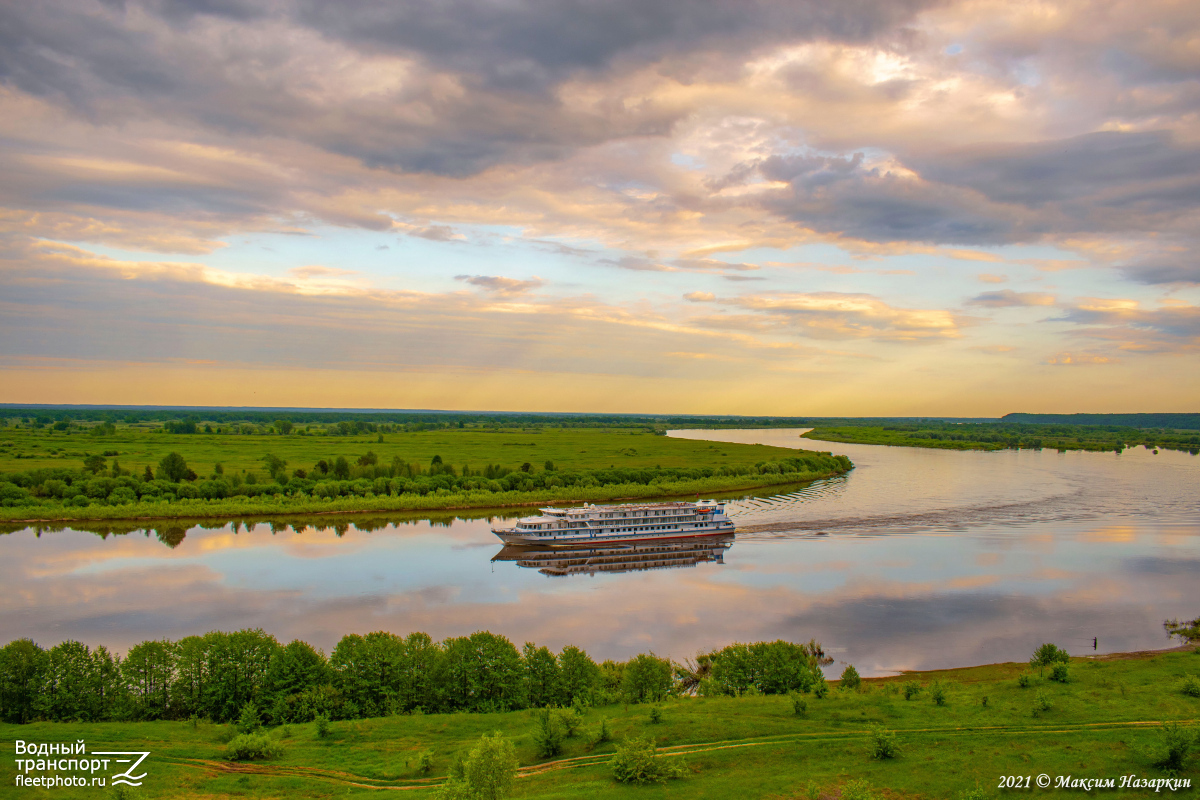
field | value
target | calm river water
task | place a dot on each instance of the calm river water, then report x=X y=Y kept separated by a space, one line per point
x=917 y=559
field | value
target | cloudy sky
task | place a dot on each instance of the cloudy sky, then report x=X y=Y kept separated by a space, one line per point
x=762 y=206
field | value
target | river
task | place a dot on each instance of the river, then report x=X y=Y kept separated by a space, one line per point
x=917 y=559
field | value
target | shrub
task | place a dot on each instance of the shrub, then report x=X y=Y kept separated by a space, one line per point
x=911 y=690
x=603 y=734
x=850 y=679
x=820 y=687
x=1024 y=680
x=1190 y=685
x=322 y=726
x=655 y=715
x=249 y=721
x=487 y=774
x=637 y=762
x=799 y=705
x=1174 y=743
x=883 y=744
x=570 y=719
x=549 y=734
x=937 y=691
x=252 y=747
x=1041 y=704
x=1060 y=673
x=858 y=790
x=1048 y=654
x=977 y=793
x=425 y=762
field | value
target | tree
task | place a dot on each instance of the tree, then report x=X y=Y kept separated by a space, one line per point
x=542 y=678
x=1048 y=655
x=850 y=678
x=580 y=675
x=149 y=671
x=341 y=468
x=368 y=460
x=172 y=467
x=274 y=464
x=283 y=426
x=22 y=664
x=491 y=767
x=95 y=464
x=647 y=678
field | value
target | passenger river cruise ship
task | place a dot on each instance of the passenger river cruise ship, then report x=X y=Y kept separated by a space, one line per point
x=633 y=522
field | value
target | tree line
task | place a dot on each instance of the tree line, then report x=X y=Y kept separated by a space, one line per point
x=100 y=482
x=220 y=675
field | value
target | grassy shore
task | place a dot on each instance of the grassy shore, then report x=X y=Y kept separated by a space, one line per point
x=1103 y=723
x=1002 y=436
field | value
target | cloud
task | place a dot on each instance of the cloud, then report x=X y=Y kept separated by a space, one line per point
x=316 y=271
x=1178 y=270
x=638 y=264
x=438 y=233
x=1172 y=328
x=501 y=285
x=700 y=297
x=708 y=264
x=836 y=315
x=985 y=277
x=994 y=349
x=1006 y=298
x=1078 y=360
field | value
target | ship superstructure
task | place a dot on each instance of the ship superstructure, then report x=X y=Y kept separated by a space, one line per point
x=633 y=522
x=617 y=557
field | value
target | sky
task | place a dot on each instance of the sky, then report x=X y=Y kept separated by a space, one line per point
x=788 y=207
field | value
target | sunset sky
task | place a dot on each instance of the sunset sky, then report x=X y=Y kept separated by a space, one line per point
x=800 y=207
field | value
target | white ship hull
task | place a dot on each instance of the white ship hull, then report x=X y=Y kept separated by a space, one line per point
x=636 y=522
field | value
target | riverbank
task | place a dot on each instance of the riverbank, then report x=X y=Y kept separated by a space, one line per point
x=1103 y=722
x=1006 y=436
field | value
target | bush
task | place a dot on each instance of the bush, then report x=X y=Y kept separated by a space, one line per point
x=252 y=747
x=858 y=790
x=850 y=678
x=549 y=734
x=799 y=705
x=655 y=715
x=322 y=726
x=977 y=793
x=570 y=719
x=883 y=744
x=820 y=687
x=1024 y=680
x=1041 y=704
x=937 y=692
x=249 y=721
x=911 y=690
x=1047 y=655
x=603 y=734
x=1060 y=673
x=1190 y=685
x=636 y=761
x=1174 y=743
x=487 y=774
x=425 y=762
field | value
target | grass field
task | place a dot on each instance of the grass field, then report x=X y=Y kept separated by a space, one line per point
x=1103 y=723
x=23 y=449
x=1000 y=436
x=669 y=467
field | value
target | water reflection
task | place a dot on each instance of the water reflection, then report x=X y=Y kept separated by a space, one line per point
x=616 y=557
x=916 y=559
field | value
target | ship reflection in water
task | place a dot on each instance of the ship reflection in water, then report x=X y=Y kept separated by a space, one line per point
x=567 y=560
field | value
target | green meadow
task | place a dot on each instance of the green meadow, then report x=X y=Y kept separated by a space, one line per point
x=107 y=471
x=1006 y=435
x=1104 y=722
